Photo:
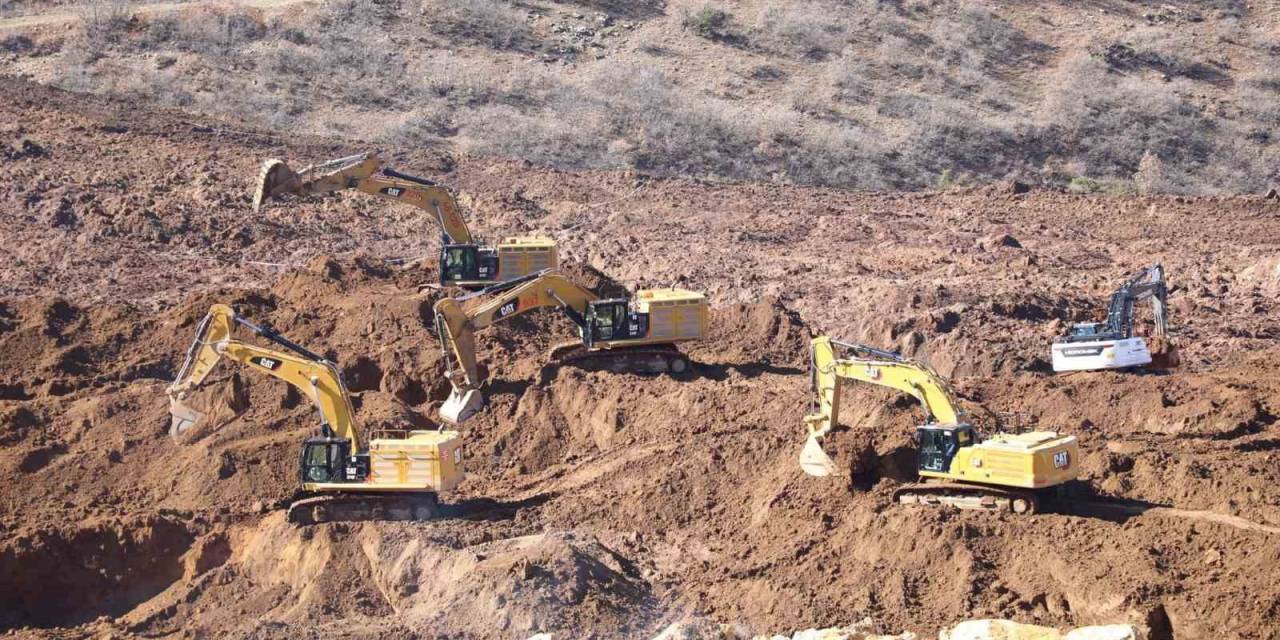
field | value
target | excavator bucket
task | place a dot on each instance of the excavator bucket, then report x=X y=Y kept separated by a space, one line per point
x=182 y=417
x=1164 y=355
x=275 y=178
x=814 y=461
x=461 y=406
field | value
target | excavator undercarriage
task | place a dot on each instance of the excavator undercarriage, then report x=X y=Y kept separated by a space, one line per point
x=968 y=496
x=363 y=507
x=659 y=358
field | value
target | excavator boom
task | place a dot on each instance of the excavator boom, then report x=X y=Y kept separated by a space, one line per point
x=828 y=370
x=312 y=375
x=456 y=328
x=361 y=172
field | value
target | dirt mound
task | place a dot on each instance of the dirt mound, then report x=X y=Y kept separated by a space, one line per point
x=764 y=332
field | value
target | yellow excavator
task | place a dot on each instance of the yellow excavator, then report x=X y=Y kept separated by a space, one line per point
x=396 y=475
x=957 y=466
x=636 y=334
x=464 y=260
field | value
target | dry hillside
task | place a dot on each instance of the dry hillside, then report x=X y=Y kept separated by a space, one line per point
x=1107 y=95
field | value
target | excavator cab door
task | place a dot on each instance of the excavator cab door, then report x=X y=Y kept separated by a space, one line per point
x=612 y=320
x=325 y=460
x=459 y=263
x=468 y=263
x=936 y=449
x=939 y=445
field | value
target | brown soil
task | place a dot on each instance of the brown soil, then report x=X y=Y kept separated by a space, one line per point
x=600 y=504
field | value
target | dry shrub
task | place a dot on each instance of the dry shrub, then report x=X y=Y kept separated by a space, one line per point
x=709 y=21
x=800 y=28
x=928 y=89
x=489 y=22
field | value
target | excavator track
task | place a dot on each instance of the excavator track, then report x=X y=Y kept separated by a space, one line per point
x=658 y=358
x=968 y=496
x=364 y=507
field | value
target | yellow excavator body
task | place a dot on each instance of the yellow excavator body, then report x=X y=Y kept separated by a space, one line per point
x=397 y=474
x=417 y=461
x=1033 y=460
x=959 y=467
x=636 y=333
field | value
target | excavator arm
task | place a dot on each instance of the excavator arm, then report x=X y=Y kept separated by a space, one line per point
x=361 y=172
x=312 y=375
x=828 y=370
x=457 y=328
x=1148 y=284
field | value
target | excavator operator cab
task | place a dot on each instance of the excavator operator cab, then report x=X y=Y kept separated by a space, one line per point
x=462 y=263
x=1087 y=331
x=328 y=460
x=940 y=443
x=610 y=320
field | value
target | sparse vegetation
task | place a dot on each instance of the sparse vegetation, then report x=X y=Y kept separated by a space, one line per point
x=709 y=22
x=487 y=22
x=880 y=95
x=801 y=28
x=1082 y=184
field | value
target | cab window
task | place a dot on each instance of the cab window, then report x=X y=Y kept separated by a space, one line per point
x=456 y=265
x=604 y=321
x=318 y=456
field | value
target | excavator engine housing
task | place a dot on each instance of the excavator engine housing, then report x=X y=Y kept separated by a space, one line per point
x=655 y=316
x=473 y=265
x=417 y=461
x=1035 y=460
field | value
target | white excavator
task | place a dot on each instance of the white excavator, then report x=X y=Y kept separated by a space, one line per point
x=464 y=260
x=394 y=475
x=1098 y=346
x=637 y=334
x=957 y=465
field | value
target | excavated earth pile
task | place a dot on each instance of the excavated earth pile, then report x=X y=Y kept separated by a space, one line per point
x=600 y=504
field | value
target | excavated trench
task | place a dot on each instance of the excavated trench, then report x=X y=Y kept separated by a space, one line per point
x=67 y=577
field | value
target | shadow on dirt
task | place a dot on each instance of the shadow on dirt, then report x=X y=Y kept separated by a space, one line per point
x=721 y=371
x=491 y=510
